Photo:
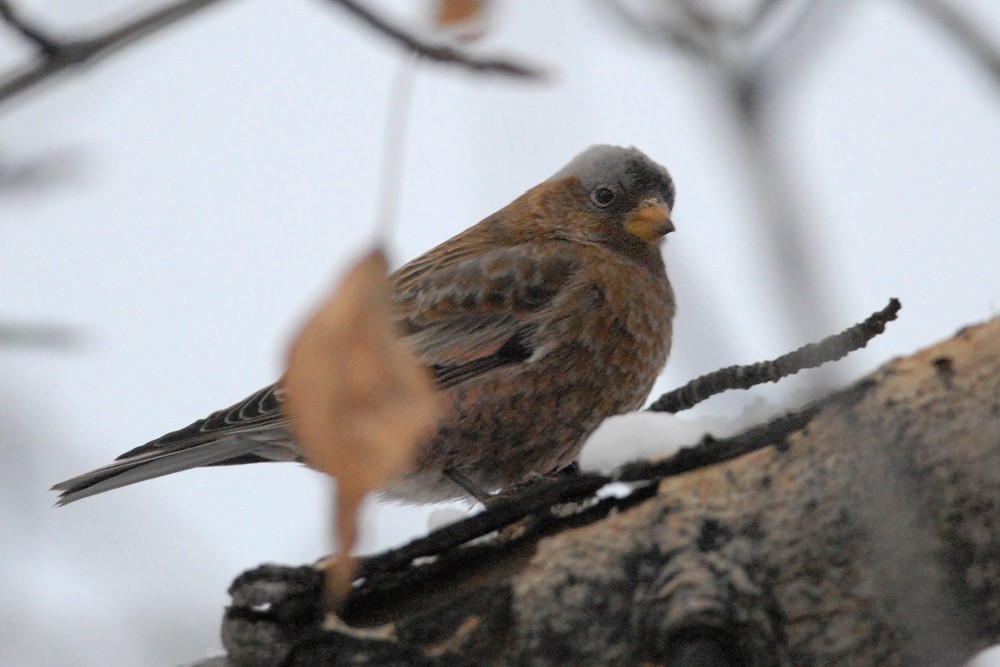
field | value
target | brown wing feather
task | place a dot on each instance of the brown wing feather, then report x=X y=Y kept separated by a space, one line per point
x=476 y=314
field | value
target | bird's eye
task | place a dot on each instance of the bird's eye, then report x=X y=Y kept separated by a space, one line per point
x=603 y=196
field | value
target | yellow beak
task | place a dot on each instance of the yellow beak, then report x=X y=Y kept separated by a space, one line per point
x=650 y=220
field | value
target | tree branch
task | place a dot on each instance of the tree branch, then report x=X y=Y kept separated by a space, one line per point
x=866 y=534
x=809 y=356
x=437 y=52
x=44 y=43
x=58 y=55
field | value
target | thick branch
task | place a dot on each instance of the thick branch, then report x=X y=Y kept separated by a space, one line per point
x=869 y=536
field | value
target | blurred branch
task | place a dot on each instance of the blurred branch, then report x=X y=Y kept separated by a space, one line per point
x=44 y=43
x=38 y=335
x=24 y=174
x=747 y=56
x=788 y=48
x=725 y=42
x=965 y=30
x=664 y=32
x=57 y=55
x=437 y=52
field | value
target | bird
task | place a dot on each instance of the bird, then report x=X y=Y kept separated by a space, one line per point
x=536 y=323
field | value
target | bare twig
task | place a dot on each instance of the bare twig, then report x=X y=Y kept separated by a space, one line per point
x=664 y=32
x=809 y=356
x=759 y=14
x=716 y=38
x=966 y=32
x=437 y=52
x=32 y=33
x=57 y=55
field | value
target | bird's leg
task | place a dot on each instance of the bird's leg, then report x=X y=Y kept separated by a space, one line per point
x=470 y=487
x=487 y=499
x=533 y=478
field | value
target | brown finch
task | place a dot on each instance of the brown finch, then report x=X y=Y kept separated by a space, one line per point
x=537 y=323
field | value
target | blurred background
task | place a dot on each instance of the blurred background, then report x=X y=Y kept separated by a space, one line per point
x=170 y=215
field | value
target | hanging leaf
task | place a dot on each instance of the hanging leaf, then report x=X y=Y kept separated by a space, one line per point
x=465 y=19
x=358 y=399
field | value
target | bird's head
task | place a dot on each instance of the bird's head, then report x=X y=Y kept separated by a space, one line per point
x=625 y=197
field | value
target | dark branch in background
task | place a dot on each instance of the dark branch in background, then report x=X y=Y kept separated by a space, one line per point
x=38 y=335
x=772 y=61
x=754 y=81
x=437 y=52
x=966 y=32
x=57 y=55
x=690 y=41
x=44 y=43
x=748 y=58
x=809 y=356
x=21 y=175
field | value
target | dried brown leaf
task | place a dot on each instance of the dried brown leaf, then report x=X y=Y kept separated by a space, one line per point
x=358 y=399
x=466 y=19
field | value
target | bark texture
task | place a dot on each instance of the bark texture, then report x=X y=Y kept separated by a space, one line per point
x=869 y=536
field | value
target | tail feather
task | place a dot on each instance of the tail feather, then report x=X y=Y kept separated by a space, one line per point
x=147 y=466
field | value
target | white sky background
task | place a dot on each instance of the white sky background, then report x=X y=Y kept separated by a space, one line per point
x=212 y=181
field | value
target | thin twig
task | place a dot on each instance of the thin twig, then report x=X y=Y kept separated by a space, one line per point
x=664 y=33
x=809 y=356
x=60 y=55
x=21 y=175
x=787 y=49
x=438 y=52
x=759 y=14
x=32 y=33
